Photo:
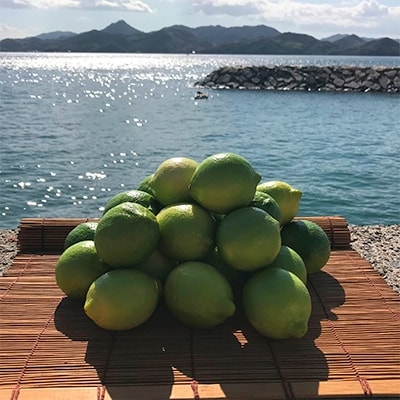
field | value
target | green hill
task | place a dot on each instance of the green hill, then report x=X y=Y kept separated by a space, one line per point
x=122 y=38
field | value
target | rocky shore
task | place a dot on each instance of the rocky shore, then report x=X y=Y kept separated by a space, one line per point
x=378 y=244
x=305 y=78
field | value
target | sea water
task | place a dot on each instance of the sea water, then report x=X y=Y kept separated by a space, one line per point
x=78 y=128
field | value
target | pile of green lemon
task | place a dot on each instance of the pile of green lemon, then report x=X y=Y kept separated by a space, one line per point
x=201 y=236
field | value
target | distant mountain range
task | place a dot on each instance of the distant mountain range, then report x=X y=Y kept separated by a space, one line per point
x=119 y=37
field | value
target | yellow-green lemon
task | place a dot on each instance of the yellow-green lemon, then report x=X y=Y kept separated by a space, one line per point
x=187 y=231
x=224 y=182
x=170 y=181
x=248 y=238
x=121 y=299
x=126 y=235
x=287 y=197
x=198 y=295
x=277 y=304
x=77 y=267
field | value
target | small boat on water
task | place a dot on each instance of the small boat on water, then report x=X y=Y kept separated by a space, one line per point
x=200 y=96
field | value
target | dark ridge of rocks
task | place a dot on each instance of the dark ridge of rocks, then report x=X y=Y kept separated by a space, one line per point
x=305 y=78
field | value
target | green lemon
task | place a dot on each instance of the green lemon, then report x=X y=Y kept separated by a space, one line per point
x=157 y=265
x=248 y=238
x=187 y=231
x=77 y=267
x=310 y=241
x=126 y=235
x=277 y=304
x=83 y=231
x=134 y=196
x=170 y=181
x=287 y=197
x=267 y=203
x=145 y=185
x=224 y=182
x=198 y=295
x=288 y=259
x=233 y=275
x=121 y=299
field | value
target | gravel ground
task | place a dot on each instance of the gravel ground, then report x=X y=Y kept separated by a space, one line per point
x=8 y=248
x=379 y=244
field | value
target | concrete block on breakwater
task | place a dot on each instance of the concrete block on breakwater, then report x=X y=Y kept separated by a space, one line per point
x=305 y=78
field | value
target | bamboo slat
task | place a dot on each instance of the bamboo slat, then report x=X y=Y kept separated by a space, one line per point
x=51 y=350
x=47 y=235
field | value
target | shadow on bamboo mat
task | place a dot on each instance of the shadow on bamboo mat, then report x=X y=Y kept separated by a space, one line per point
x=51 y=350
x=163 y=353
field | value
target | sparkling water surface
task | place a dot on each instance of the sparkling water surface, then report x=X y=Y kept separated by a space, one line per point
x=78 y=128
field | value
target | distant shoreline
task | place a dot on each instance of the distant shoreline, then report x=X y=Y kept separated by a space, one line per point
x=120 y=37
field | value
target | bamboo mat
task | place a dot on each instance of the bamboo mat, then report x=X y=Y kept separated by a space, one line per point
x=50 y=350
x=48 y=234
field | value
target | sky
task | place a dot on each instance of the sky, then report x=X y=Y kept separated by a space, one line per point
x=319 y=18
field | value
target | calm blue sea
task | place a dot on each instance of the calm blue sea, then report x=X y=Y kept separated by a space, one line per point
x=78 y=128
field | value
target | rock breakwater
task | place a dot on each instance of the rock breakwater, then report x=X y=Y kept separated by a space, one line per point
x=305 y=78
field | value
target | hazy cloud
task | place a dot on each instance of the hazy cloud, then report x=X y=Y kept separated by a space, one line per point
x=120 y=5
x=357 y=14
x=9 y=31
x=234 y=8
x=371 y=8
